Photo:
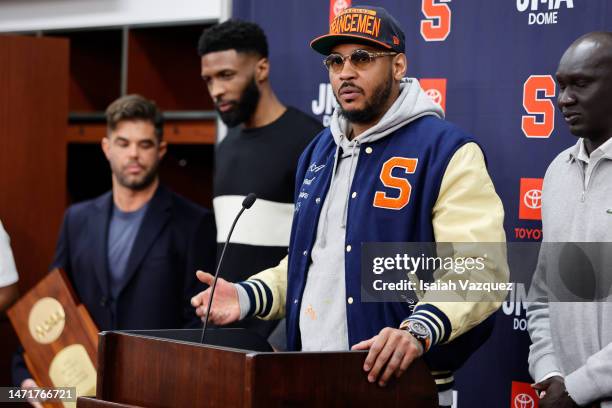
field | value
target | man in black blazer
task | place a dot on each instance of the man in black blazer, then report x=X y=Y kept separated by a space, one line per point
x=131 y=254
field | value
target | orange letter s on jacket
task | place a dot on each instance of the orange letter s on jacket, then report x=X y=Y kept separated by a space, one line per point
x=381 y=199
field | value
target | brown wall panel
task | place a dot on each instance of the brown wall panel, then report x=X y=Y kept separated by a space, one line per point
x=164 y=66
x=95 y=68
x=33 y=127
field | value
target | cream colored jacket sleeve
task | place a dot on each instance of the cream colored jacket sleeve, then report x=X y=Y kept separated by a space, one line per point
x=468 y=211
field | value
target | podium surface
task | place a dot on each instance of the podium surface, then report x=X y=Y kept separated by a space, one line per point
x=166 y=369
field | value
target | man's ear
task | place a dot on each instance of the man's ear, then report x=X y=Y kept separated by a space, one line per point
x=163 y=148
x=105 y=145
x=400 y=66
x=262 y=70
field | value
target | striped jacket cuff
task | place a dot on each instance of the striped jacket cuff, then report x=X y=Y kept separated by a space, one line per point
x=260 y=297
x=444 y=380
x=435 y=320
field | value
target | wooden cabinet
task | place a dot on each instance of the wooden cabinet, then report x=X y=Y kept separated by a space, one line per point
x=161 y=63
x=95 y=69
x=33 y=127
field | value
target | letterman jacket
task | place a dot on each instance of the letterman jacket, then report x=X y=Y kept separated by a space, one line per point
x=450 y=199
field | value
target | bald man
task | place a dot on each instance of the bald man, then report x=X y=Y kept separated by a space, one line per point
x=571 y=353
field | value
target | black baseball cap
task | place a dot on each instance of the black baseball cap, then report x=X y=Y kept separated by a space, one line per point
x=364 y=25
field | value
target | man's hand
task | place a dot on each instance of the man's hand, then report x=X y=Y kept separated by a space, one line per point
x=553 y=394
x=8 y=296
x=225 y=306
x=27 y=384
x=392 y=349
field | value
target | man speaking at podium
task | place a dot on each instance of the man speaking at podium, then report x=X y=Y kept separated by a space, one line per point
x=346 y=194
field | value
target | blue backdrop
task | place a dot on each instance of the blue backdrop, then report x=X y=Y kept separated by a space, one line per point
x=497 y=61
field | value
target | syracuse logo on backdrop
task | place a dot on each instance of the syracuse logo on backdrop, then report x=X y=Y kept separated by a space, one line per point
x=538 y=91
x=437 y=24
x=538 y=123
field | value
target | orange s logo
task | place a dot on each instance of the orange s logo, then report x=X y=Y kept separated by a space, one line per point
x=437 y=25
x=381 y=199
x=532 y=127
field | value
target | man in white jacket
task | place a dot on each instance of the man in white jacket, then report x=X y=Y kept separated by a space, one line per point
x=8 y=272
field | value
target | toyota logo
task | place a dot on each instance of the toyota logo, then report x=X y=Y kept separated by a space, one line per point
x=339 y=5
x=435 y=95
x=533 y=199
x=523 y=401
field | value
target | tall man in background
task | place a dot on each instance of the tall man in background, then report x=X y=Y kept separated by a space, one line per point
x=389 y=169
x=259 y=154
x=571 y=353
x=131 y=253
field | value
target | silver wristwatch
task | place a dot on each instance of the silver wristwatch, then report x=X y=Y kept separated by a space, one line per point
x=420 y=332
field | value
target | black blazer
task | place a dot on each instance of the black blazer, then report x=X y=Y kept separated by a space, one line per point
x=176 y=238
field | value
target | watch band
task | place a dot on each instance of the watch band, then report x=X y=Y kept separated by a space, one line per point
x=419 y=331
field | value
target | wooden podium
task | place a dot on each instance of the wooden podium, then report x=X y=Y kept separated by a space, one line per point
x=140 y=370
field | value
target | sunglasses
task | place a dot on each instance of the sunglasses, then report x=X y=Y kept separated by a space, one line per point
x=360 y=59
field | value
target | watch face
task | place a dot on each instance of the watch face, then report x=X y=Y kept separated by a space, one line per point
x=418 y=328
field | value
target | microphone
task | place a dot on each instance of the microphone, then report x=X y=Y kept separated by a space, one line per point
x=247 y=203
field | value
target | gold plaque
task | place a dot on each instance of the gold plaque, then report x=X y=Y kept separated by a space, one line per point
x=46 y=321
x=72 y=367
x=58 y=335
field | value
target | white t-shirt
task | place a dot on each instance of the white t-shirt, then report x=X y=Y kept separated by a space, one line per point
x=8 y=271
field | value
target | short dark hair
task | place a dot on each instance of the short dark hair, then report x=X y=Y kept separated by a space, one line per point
x=238 y=35
x=135 y=107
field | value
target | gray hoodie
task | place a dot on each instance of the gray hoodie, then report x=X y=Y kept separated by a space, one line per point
x=323 y=309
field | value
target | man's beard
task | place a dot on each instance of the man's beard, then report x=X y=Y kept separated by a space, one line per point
x=373 y=108
x=244 y=107
x=137 y=184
